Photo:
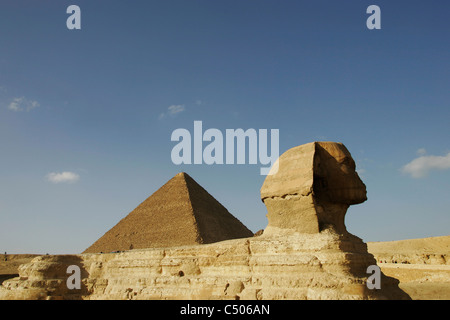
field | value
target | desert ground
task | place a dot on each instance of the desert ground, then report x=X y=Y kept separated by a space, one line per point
x=421 y=265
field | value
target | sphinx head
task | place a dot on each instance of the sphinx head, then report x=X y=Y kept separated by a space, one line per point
x=312 y=189
x=335 y=177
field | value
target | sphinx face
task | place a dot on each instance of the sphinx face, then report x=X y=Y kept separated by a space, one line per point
x=335 y=177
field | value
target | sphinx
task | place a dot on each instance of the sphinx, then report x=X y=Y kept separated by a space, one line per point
x=304 y=253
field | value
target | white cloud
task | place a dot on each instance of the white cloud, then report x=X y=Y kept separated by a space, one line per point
x=15 y=105
x=360 y=165
x=21 y=104
x=421 y=166
x=421 y=152
x=172 y=111
x=63 y=177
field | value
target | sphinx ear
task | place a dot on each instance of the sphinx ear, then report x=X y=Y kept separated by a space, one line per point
x=321 y=171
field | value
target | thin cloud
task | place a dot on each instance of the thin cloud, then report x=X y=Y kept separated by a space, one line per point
x=421 y=152
x=63 y=177
x=421 y=166
x=172 y=111
x=22 y=104
x=360 y=165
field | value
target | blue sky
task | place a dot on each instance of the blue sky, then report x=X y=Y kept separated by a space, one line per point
x=86 y=115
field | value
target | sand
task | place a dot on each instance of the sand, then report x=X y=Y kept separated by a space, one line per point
x=421 y=265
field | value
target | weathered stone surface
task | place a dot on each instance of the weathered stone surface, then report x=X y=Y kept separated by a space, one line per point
x=298 y=266
x=424 y=251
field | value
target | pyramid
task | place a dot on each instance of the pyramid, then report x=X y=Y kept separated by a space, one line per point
x=180 y=213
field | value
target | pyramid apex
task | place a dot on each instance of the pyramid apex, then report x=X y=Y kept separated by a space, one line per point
x=182 y=175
